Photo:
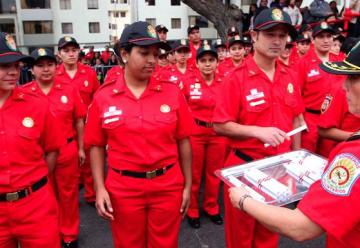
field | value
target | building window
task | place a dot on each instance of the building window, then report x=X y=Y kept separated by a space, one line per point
x=175 y=2
x=7 y=28
x=116 y=14
x=175 y=23
x=151 y=21
x=150 y=2
x=67 y=28
x=122 y=14
x=124 y=1
x=35 y=4
x=199 y=21
x=114 y=1
x=93 y=4
x=7 y=6
x=38 y=27
x=113 y=26
x=65 y=4
x=94 y=27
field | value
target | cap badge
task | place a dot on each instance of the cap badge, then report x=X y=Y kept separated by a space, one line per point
x=64 y=99
x=233 y=29
x=42 y=52
x=324 y=25
x=28 y=122
x=290 y=88
x=164 y=108
x=67 y=38
x=306 y=36
x=237 y=37
x=10 y=42
x=277 y=15
x=151 y=31
x=218 y=41
x=206 y=47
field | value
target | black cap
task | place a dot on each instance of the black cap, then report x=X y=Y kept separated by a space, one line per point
x=9 y=52
x=305 y=27
x=40 y=53
x=163 y=52
x=181 y=44
x=322 y=27
x=269 y=18
x=233 y=31
x=161 y=27
x=246 y=40
x=303 y=37
x=206 y=49
x=349 y=66
x=219 y=43
x=191 y=28
x=141 y=34
x=235 y=39
x=66 y=40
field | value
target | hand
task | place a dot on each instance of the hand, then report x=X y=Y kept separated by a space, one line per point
x=235 y=193
x=271 y=135
x=185 y=201
x=103 y=205
x=82 y=157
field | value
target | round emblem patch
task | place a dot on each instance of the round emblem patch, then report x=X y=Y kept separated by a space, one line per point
x=164 y=108
x=64 y=99
x=28 y=122
x=290 y=88
x=67 y=38
x=326 y=103
x=151 y=31
x=86 y=83
x=340 y=176
x=277 y=15
x=324 y=25
x=237 y=37
x=10 y=42
x=42 y=52
x=218 y=42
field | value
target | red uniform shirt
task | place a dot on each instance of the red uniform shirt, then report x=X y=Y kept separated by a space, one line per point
x=105 y=56
x=314 y=82
x=114 y=73
x=226 y=66
x=333 y=202
x=90 y=55
x=250 y=98
x=27 y=131
x=85 y=80
x=335 y=113
x=141 y=134
x=175 y=76
x=64 y=102
x=192 y=56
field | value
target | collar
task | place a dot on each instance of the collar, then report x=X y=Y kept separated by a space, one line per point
x=120 y=85
x=18 y=95
x=254 y=70
x=80 y=69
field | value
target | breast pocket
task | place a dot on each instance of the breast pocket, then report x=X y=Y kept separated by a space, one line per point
x=165 y=118
x=28 y=133
x=113 y=122
x=257 y=105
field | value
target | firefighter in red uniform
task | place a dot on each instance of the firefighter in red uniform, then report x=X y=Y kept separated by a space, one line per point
x=162 y=31
x=332 y=204
x=194 y=43
x=145 y=124
x=221 y=49
x=301 y=48
x=237 y=54
x=208 y=149
x=30 y=140
x=285 y=56
x=84 y=78
x=248 y=46
x=316 y=84
x=259 y=103
x=232 y=31
x=65 y=103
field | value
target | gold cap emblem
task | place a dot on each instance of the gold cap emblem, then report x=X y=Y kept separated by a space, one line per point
x=10 y=42
x=324 y=25
x=42 y=52
x=277 y=15
x=28 y=122
x=67 y=38
x=151 y=31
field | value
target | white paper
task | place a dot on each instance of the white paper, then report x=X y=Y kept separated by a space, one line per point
x=237 y=183
x=299 y=173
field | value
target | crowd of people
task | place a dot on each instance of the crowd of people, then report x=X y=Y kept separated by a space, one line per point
x=165 y=118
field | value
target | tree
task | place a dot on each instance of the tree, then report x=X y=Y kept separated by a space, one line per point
x=221 y=13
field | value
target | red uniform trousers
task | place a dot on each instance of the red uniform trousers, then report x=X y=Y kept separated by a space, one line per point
x=309 y=139
x=146 y=211
x=65 y=180
x=242 y=230
x=208 y=155
x=87 y=179
x=32 y=221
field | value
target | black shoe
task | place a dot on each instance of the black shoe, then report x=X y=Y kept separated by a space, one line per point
x=71 y=244
x=194 y=222
x=216 y=218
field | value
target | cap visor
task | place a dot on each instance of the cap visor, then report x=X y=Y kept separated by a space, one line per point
x=213 y=53
x=14 y=57
x=152 y=42
x=44 y=57
x=329 y=30
x=291 y=28
x=339 y=68
x=68 y=43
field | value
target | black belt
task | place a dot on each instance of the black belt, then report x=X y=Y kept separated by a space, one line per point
x=147 y=174
x=14 y=196
x=204 y=123
x=242 y=155
x=69 y=140
x=313 y=111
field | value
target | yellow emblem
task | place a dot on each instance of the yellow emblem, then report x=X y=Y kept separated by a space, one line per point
x=197 y=86
x=290 y=88
x=28 y=122
x=164 y=108
x=64 y=99
x=277 y=15
x=67 y=38
x=10 y=42
x=42 y=52
x=86 y=83
x=324 y=25
x=151 y=31
x=207 y=47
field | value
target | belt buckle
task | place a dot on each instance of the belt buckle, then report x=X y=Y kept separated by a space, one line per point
x=151 y=174
x=14 y=196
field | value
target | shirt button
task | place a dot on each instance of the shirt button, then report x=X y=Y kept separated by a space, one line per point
x=2 y=132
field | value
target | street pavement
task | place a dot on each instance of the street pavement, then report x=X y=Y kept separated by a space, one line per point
x=96 y=233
